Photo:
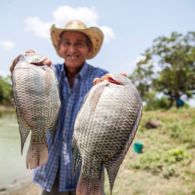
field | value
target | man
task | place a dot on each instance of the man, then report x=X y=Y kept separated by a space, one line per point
x=75 y=44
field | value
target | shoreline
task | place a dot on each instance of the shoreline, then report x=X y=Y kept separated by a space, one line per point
x=7 y=109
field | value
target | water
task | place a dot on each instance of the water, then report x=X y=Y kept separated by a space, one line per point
x=12 y=163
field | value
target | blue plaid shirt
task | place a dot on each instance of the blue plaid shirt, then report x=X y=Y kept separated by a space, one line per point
x=60 y=152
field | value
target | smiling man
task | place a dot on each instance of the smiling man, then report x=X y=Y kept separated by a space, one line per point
x=75 y=43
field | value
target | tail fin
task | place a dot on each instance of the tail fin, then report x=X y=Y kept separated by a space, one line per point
x=37 y=155
x=87 y=186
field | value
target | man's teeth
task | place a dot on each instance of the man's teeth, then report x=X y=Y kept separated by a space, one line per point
x=73 y=57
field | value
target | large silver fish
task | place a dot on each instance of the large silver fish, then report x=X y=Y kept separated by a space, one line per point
x=37 y=104
x=104 y=130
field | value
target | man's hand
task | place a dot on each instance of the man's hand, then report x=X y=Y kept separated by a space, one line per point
x=105 y=77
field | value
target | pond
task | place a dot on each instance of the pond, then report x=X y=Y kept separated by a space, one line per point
x=12 y=163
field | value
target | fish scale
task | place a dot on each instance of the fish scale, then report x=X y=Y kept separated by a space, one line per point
x=37 y=104
x=104 y=129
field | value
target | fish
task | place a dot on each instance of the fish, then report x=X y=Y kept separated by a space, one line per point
x=37 y=103
x=104 y=129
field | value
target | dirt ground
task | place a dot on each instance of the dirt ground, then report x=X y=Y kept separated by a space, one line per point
x=31 y=189
x=27 y=189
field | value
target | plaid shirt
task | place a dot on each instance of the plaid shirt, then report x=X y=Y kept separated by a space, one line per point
x=60 y=152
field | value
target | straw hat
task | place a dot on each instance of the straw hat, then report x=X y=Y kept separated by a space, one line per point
x=93 y=33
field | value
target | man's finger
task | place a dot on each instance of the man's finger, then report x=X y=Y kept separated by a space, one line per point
x=47 y=62
x=96 y=81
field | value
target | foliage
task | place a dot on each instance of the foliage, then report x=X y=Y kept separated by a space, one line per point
x=168 y=67
x=158 y=161
x=5 y=91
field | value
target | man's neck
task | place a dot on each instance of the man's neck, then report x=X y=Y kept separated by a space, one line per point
x=71 y=74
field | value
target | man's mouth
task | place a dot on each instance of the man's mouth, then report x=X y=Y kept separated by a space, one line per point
x=73 y=57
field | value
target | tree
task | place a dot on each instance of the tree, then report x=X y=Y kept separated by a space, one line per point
x=170 y=64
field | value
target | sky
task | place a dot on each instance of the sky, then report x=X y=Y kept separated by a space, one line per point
x=129 y=26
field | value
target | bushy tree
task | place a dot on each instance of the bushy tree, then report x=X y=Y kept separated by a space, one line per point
x=168 y=67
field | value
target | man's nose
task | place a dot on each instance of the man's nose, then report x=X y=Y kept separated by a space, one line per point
x=72 y=48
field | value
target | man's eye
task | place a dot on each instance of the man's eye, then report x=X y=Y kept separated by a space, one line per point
x=80 y=44
x=65 y=43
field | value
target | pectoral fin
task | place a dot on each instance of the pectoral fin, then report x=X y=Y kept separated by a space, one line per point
x=24 y=130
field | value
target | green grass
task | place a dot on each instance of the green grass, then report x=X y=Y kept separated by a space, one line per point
x=167 y=163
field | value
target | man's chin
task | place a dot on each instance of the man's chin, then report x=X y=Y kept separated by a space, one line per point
x=73 y=65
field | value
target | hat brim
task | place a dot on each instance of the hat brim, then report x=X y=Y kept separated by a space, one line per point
x=95 y=35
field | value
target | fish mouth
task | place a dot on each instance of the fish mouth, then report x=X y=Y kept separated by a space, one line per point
x=111 y=80
x=118 y=79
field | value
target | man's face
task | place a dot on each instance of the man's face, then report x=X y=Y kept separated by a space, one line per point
x=74 y=49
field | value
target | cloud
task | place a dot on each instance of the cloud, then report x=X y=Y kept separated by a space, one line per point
x=108 y=32
x=39 y=28
x=63 y=14
x=7 y=45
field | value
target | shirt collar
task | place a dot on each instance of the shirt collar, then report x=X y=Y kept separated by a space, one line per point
x=82 y=72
